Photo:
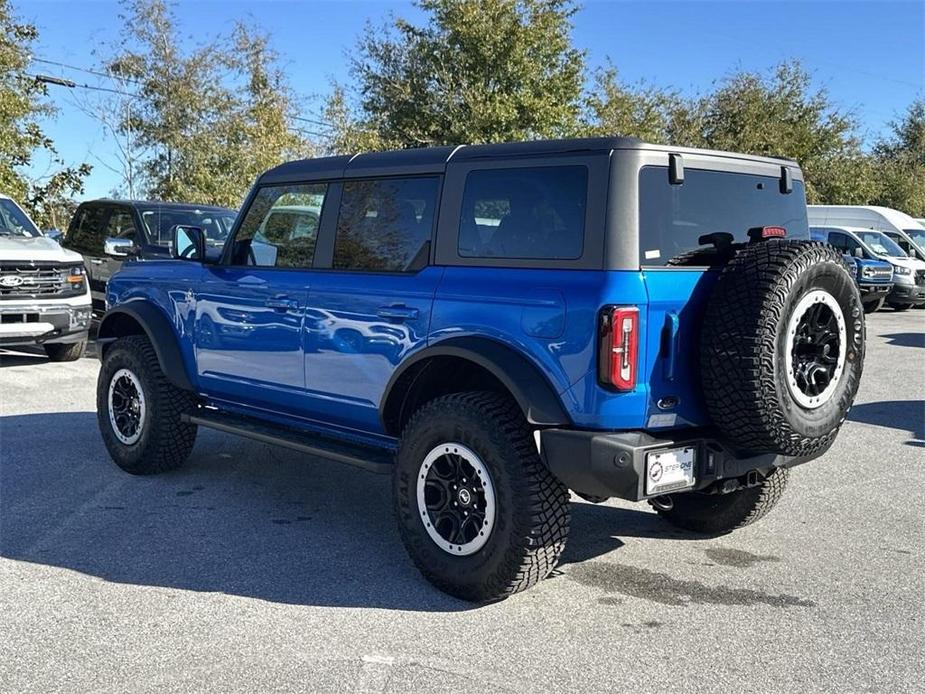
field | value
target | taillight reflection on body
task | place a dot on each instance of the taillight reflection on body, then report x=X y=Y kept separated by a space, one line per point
x=619 y=347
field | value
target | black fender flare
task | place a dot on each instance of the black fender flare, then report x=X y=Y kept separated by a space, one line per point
x=537 y=398
x=158 y=329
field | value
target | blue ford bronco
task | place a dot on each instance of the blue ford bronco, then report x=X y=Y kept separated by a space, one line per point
x=494 y=326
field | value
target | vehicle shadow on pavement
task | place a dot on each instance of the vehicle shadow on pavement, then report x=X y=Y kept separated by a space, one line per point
x=26 y=356
x=240 y=518
x=905 y=339
x=905 y=415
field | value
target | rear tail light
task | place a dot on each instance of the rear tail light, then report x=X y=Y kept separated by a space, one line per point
x=619 y=347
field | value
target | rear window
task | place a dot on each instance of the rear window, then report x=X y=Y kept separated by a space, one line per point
x=674 y=218
x=524 y=213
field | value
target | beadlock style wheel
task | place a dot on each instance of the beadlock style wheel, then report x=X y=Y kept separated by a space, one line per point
x=456 y=498
x=127 y=406
x=816 y=348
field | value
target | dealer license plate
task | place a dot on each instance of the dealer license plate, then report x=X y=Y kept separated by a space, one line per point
x=668 y=471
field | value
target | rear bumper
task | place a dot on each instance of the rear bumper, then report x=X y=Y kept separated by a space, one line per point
x=38 y=324
x=614 y=463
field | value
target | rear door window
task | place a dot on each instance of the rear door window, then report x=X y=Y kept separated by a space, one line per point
x=385 y=225
x=524 y=213
x=675 y=219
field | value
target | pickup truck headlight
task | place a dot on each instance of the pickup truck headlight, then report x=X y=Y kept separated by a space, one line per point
x=899 y=270
x=76 y=276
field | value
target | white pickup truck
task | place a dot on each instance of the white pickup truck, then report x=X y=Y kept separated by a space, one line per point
x=44 y=295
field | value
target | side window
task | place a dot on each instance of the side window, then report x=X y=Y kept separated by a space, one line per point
x=839 y=241
x=850 y=245
x=385 y=225
x=526 y=213
x=87 y=232
x=281 y=226
x=121 y=225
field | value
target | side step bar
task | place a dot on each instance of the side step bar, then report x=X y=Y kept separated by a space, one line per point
x=365 y=457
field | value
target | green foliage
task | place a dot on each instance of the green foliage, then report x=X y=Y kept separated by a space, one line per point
x=207 y=119
x=901 y=163
x=643 y=111
x=21 y=105
x=475 y=71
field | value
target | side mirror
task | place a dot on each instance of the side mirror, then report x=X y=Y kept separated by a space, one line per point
x=119 y=248
x=188 y=243
x=858 y=252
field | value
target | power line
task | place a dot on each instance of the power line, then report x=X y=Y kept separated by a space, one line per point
x=86 y=70
x=70 y=84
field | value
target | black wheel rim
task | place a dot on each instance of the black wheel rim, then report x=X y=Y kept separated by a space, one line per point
x=126 y=406
x=816 y=348
x=456 y=498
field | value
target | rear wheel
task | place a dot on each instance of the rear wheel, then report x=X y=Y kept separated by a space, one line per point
x=140 y=412
x=718 y=514
x=478 y=512
x=66 y=352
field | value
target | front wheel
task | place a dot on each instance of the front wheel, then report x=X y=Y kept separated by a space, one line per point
x=718 y=514
x=900 y=307
x=873 y=306
x=478 y=512
x=140 y=412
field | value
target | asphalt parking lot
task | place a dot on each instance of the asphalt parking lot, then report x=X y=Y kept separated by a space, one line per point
x=256 y=569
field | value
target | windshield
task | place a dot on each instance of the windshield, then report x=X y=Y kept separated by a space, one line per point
x=215 y=223
x=14 y=222
x=881 y=244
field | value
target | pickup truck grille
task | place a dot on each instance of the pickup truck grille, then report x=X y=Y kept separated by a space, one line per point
x=880 y=273
x=24 y=280
x=920 y=276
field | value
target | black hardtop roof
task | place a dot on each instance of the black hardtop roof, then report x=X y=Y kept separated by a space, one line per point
x=435 y=159
x=160 y=205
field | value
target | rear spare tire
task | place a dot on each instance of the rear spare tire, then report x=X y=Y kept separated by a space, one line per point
x=782 y=347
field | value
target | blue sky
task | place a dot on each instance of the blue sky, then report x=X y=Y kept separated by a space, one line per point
x=869 y=55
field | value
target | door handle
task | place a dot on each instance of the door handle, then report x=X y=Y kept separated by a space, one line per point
x=281 y=303
x=397 y=312
x=670 y=333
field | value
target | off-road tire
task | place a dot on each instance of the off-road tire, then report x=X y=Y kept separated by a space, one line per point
x=532 y=507
x=874 y=306
x=166 y=441
x=743 y=356
x=66 y=351
x=900 y=307
x=718 y=514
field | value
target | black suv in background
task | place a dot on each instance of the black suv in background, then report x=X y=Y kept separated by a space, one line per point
x=107 y=232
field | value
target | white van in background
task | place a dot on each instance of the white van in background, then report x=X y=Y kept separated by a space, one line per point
x=900 y=227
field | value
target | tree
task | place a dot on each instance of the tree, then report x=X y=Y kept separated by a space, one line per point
x=782 y=115
x=22 y=104
x=901 y=162
x=475 y=71
x=644 y=111
x=208 y=119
